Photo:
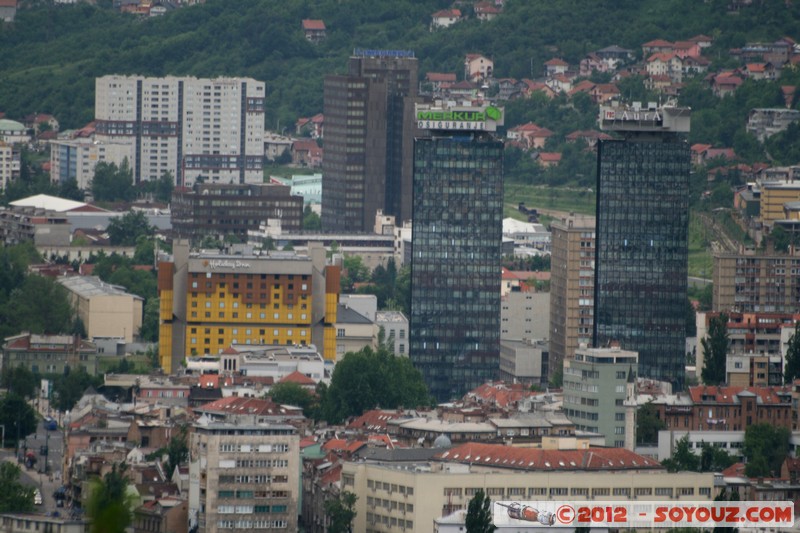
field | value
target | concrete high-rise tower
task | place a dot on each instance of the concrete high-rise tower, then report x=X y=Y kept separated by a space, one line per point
x=369 y=134
x=457 y=237
x=641 y=264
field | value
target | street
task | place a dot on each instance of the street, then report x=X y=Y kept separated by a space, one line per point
x=47 y=482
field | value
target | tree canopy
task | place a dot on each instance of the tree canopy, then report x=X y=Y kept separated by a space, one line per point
x=126 y=230
x=792 y=370
x=648 y=424
x=715 y=351
x=370 y=379
x=479 y=514
x=711 y=458
x=110 y=505
x=341 y=512
x=17 y=416
x=14 y=496
x=765 y=447
x=112 y=182
x=69 y=388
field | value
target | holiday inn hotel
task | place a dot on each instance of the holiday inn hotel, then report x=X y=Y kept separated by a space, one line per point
x=211 y=301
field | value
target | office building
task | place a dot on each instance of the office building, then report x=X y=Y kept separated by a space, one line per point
x=106 y=310
x=369 y=131
x=457 y=235
x=209 y=129
x=243 y=476
x=756 y=282
x=641 y=264
x=210 y=301
x=595 y=389
x=221 y=210
x=571 y=287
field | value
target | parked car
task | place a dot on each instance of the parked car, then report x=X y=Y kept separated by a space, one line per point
x=37 y=497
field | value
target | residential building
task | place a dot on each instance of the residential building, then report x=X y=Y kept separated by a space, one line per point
x=641 y=263
x=395 y=330
x=572 y=262
x=412 y=497
x=210 y=301
x=8 y=10
x=524 y=361
x=455 y=274
x=595 y=381
x=222 y=210
x=754 y=370
x=275 y=361
x=445 y=18
x=314 y=30
x=486 y=11
x=30 y=224
x=9 y=165
x=478 y=68
x=106 y=310
x=13 y=132
x=191 y=128
x=77 y=158
x=726 y=408
x=275 y=145
x=306 y=153
x=49 y=354
x=756 y=282
x=354 y=331
x=243 y=476
x=23 y=523
x=369 y=140
x=163 y=515
x=764 y=123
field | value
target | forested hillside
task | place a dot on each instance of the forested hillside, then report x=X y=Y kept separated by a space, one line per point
x=50 y=55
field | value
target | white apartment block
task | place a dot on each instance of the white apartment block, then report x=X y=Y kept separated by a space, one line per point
x=77 y=158
x=9 y=165
x=243 y=477
x=193 y=128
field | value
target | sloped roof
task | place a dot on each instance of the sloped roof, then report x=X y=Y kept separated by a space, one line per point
x=556 y=62
x=441 y=76
x=341 y=445
x=312 y=24
x=447 y=13
x=297 y=377
x=346 y=315
x=534 y=459
x=244 y=406
x=51 y=203
x=657 y=43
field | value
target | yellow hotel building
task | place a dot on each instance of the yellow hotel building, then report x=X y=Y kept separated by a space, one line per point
x=210 y=301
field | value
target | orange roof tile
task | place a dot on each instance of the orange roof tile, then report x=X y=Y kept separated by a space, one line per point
x=311 y=24
x=297 y=377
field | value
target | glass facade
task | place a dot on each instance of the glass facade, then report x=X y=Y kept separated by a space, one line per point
x=455 y=268
x=642 y=252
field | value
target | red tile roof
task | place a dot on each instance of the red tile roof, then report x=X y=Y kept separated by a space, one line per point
x=700 y=148
x=441 y=76
x=447 y=13
x=311 y=24
x=535 y=459
x=297 y=377
x=374 y=420
x=341 y=445
x=703 y=394
x=550 y=157
x=658 y=43
x=244 y=406
x=556 y=62
x=735 y=470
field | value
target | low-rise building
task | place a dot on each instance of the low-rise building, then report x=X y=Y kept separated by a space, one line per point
x=275 y=361
x=29 y=224
x=524 y=361
x=49 y=354
x=764 y=122
x=24 y=522
x=395 y=330
x=9 y=164
x=412 y=496
x=354 y=331
x=161 y=515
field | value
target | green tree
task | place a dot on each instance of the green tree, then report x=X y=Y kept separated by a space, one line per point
x=126 y=230
x=341 y=512
x=368 y=379
x=69 y=388
x=289 y=393
x=353 y=271
x=682 y=459
x=69 y=189
x=311 y=220
x=780 y=239
x=479 y=514
x=765 y=447
x=19 y=380
x=14 y=496
x=691 y=322
x=39 y=305
x=110 y=506
x=714 y=458
x=150 y=321
x=648 y=424
x=17 y=416
x=715 y=350
x=792 y=370
x=178 y=449
x=111 y=183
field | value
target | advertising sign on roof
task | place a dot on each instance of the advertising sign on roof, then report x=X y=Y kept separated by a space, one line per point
x=477 y=118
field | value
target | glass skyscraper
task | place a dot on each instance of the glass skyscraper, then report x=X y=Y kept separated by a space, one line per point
x=455 y=269
x=642 y=238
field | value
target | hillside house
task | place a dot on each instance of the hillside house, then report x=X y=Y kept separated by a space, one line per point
x=555 y=66
x=314 y=30
x=437 y=82
x=445 y=18
x=616 y=53
x=306 y=153
x=478 y=68
x=8 y=10
x=528 y=87
x=761 y=71
x=311 y=126
x=685 y=49
x=529 y=135
x=703 y=41
x=665 y=64
x=486 y=11
x=725 y=83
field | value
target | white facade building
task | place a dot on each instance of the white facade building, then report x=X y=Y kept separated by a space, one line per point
x=187 y=126
x=77 y=158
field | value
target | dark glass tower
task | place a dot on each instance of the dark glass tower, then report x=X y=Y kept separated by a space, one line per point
x=455 y=269
x=369 y=132
x=642 y=238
